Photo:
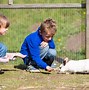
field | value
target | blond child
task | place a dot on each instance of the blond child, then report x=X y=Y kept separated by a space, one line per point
x=40 y=48
x=4 y=56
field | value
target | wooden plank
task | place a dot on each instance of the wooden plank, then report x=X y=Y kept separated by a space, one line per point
x=87 y=29
x=32 y=6
x=10 y=2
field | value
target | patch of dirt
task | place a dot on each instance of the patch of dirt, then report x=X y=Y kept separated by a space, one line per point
x=75 y=42
x=30 y=87
x=35 y=26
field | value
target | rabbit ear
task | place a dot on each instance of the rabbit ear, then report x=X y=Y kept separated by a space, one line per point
x=65 y=61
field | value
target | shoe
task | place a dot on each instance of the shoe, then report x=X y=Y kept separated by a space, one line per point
x=54 y=65
x=1 y=72
x=31 y=68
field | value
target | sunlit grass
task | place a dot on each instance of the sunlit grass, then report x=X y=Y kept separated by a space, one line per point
x=25 y=21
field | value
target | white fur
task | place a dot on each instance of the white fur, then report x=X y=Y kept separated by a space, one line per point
x=76 y=66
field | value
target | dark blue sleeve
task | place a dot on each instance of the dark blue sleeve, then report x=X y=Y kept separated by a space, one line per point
x=24 y=48
x=33 y=46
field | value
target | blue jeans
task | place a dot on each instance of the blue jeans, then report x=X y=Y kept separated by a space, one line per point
x=3 y=50
x=47 y=55
x=47 y=52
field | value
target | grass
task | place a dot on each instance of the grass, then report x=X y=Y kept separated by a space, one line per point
x=18 y=79
x=25 y=21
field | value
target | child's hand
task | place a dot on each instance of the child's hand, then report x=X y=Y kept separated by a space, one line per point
x=49 y=69
x=4 y=60
x=20 y=55
x=12 y=56
x=44 y=44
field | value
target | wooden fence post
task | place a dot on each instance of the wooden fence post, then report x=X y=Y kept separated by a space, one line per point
x=87 y=28
x=10 y=2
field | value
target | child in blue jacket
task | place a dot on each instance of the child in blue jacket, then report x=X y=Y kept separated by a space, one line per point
x=39 y=47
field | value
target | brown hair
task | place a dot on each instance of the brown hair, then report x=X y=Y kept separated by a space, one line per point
x=4 y=21
x=48 y=24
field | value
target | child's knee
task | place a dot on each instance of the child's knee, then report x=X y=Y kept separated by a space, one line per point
x=52 y=52
x=44 y=49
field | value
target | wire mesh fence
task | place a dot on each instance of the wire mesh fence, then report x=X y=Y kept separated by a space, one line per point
x=70 y=36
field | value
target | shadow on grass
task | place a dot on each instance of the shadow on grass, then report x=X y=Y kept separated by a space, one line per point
x=45 y=72
x=4 y=70
x=20 y=66
x=8 y=70
x=23 y=67
x=85 y=73
x=1 y=72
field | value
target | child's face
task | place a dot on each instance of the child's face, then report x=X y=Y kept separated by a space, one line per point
x=3 y=30
x=47 y=36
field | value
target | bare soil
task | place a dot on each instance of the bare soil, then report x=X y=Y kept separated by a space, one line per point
x=76 y=42
x=19 y=79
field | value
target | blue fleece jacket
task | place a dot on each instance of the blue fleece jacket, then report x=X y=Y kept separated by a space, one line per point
x=31 y=45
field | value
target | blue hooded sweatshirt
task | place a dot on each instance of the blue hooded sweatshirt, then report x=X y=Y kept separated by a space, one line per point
x=30 y=47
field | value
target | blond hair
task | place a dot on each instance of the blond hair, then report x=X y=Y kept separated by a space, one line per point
x=4 y=21
x=48 y=25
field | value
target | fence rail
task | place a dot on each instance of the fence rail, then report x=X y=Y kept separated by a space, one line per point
x=32 y=6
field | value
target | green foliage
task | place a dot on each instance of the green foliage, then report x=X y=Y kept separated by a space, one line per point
x=24 y=21
x=73 y=55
